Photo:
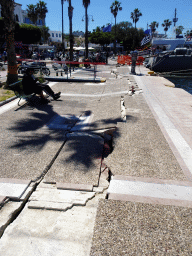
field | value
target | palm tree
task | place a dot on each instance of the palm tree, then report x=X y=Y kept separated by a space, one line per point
x=153 y=27
x=166 y=25
x=86 y=3
x=42 y=10
x=179 y=30
x=135 y=16
x=32 y=13
x=7 y=12
x=115 y=7
x=70 y=14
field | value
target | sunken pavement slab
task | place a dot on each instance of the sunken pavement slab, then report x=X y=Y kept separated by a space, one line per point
x=79 y=161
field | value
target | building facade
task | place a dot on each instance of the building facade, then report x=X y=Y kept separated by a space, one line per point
x=55 y=36
x=21 y=16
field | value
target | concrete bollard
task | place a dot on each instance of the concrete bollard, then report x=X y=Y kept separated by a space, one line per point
x=123 y=109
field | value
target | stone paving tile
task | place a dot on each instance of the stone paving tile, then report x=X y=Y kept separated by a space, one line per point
x=61 y=200
x=129 y=228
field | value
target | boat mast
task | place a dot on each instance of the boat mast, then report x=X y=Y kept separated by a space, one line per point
x=175 y=19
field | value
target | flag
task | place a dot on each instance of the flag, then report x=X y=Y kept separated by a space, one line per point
x=107 y=29
x=145 y=40
x=148 y=32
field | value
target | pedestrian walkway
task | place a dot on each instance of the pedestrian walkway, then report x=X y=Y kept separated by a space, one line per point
x=148 y=207
x=104 y=175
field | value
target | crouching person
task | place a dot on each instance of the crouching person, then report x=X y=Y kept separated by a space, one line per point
x=30 y=85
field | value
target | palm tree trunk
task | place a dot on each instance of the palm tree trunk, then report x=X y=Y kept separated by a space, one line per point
x=8 y=14
x=86 y=34
x=115 y=37
x=63 y=46
x=70 y=13
x=12 y=75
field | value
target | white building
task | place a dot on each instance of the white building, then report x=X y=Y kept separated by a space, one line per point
x=55 y=36
x=21 y=15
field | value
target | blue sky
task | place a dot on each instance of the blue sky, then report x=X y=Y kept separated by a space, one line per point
x=100 y=10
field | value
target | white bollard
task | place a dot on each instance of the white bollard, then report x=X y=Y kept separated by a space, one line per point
x=123 y=109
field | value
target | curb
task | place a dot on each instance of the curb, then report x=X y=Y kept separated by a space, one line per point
x=75 y=80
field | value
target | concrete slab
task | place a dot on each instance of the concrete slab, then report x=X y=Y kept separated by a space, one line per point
x=60 y=200
x=43 y=232
x=79 y=161
x=70 y=186
x=130 y=228
x=13 y=188
x=145 y=189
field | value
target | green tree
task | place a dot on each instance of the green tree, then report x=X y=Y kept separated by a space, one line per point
x=45 y=33
x=100 y=37
x=154 y=25
x=188 y=33
x=166 y=24
x=7 y=12
x=41 y=9
x=86 y=3
x=122 y=30
x=179 y=30
x=28 y=34
x=32 y=13
x=115 y=7
x=135 y=15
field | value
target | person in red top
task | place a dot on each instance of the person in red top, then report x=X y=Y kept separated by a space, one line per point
x=30 y=85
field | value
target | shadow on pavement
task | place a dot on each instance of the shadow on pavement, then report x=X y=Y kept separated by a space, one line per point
x=79 y=145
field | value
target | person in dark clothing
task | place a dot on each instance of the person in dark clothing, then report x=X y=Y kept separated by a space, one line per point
x=30 y=85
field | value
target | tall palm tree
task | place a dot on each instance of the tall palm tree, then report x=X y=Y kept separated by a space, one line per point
x=7 y=12
x=166 y=25
x=70 y=14
x=63 y=44
x=42 y=10
x=153 y=27
x=115 y=7
x=135 y=15
x=32 y=13
x=86 y=3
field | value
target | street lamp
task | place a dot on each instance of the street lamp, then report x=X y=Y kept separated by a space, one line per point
x=86 y=33
x=88 y=17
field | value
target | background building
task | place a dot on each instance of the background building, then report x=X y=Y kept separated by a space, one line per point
x=55 y=36
x=21 y=16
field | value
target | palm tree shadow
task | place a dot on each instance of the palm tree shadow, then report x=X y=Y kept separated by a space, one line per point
x=83 y=147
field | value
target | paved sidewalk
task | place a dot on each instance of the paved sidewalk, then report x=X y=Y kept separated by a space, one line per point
x=88 y=183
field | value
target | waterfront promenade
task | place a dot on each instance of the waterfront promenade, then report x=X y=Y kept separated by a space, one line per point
x=78 y=179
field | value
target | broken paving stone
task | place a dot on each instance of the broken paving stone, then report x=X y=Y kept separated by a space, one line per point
x=71 y=186
x=51 y=199
x=42 y=205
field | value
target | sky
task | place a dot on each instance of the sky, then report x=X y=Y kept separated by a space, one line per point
x=99 y=10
